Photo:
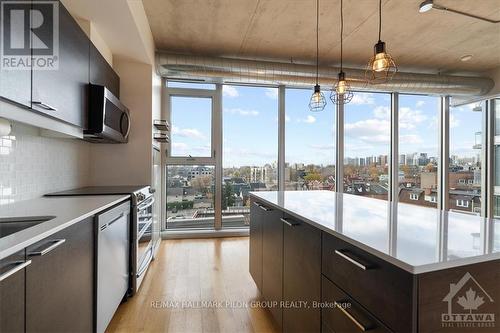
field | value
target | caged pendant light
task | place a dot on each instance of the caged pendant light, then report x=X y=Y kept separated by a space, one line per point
x=381 y=67
x=341 y=93
x=318 y=101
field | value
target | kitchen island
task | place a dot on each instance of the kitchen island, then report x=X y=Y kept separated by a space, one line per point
x=331 y=262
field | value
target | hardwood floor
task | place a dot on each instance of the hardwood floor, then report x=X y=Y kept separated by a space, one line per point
x=187 y=272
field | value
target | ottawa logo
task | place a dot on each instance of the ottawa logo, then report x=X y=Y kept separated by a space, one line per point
x=468 y=305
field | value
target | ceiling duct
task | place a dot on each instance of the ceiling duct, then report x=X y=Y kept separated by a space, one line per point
x=244 y=71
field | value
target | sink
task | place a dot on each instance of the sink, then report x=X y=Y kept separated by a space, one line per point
x=10 y=225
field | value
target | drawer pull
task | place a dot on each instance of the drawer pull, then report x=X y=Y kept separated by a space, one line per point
x=19 y=265
x=55 y=243
x=290 y=223
x=338 y=305
x=351 y=260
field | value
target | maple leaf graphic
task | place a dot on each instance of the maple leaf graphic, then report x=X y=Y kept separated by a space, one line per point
x=470 y=301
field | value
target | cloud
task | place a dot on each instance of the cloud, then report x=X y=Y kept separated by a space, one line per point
x=179 y=145
x=230 y=91
x=408 y=118
x=419 y=104
x=363 y=99
x=272 y=93
x=322 y=147
x=192 y=133
x=287 y=118
x=454 y=122
x=308 y=120
x=243 y=112
x=371 y=131
x=410 y=139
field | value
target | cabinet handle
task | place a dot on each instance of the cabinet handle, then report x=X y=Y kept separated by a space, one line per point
x=44 y=106
x=338 y=305
x=290 y=223
x=116 y=218
x=55 y=243
x=19 y=265
x=265 y=208
x=351 y=260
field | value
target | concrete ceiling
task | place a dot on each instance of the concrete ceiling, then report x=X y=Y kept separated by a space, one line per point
x=285 y=29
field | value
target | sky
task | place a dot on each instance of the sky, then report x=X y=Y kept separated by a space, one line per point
x=250 y=126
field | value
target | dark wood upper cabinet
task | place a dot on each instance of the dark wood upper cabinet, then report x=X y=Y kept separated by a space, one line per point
x=272 y=262
x=301 y=276
x=12 y=275
x=59 y=281
x=256 y=221
x=102 y=73
x=15 y=80
x=62 y=93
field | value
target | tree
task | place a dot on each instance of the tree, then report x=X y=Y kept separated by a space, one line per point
x=312 y=176
x=228 y=198
x=201 y=184
x=406 y=170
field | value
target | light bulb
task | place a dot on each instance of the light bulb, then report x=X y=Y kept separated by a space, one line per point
x=341 y=87
x=380 y=63
x=317 y=97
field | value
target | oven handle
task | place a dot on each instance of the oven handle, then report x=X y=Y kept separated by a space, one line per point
x=146 y=204
x=144 y=228
x=145 y=263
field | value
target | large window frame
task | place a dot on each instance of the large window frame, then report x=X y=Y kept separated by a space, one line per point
x=487 y=154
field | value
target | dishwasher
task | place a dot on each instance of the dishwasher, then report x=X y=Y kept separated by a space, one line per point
x=113 y=267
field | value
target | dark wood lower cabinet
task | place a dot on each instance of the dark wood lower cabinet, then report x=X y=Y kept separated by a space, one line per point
x=301 y=276
x=59 y=281
x=272 y=263
x=256 y=221
x=12 y=278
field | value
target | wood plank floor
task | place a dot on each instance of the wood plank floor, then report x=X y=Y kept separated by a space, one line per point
x=190 y=271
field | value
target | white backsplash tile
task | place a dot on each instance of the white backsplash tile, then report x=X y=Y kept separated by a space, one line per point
x=32 y=165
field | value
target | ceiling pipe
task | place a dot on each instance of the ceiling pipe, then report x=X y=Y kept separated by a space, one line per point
x=242 y=71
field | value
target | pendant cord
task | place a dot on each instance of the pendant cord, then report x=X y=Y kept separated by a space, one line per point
x=379 y=19
x=341 y=33
x=317 y=41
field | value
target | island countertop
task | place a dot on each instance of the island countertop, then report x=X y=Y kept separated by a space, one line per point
x=416 y=239
x=65 y=210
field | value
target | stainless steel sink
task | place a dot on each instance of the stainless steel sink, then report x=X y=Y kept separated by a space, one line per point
x=10 y=225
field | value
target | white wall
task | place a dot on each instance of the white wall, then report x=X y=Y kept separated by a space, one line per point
x=32 y=165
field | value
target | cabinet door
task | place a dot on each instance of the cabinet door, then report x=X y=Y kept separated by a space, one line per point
x=12 y=274
x=301 y=276
x=62 y=93
x=15 y=79
x=256 y=217
x=272 y=262
x=60 y=281
x=102 y=73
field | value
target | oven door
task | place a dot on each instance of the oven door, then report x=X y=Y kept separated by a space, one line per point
x=144 y=229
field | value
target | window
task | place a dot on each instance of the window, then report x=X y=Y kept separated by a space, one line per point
x=309 y=144
x=191 y=120
x=250 y=149
x=413 y=196
x=367 y=145
x=496 y=201
x=418 y=146
x=466 y=123
x=190 y=85
x=190 y=196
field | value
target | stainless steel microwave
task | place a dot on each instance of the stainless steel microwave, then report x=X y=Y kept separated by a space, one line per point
x=108 y=118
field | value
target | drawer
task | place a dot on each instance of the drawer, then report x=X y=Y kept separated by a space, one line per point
x=382 y=288
x=345 y=316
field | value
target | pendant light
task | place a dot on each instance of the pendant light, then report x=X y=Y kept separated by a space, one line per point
x=341 y=93
x=381 y=67
x=318 y=101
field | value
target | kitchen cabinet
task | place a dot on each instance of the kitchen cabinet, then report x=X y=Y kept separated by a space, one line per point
x=301 y=276
x=272 y=261
x=15 y=83
x=256 y=222
x=63 y=93
x=102 y=73
x=12 y=279
x=60 y=281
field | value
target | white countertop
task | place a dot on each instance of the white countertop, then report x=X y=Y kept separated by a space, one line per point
x=417 y=239
x=67 y=211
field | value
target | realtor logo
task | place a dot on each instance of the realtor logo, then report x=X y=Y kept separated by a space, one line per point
x=29 y=35
x=468 y=305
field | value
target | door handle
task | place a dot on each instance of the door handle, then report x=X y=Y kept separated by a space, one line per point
x=19 y=265
x=351 y=260
x=290 y=222
x=44 y=106
x=55 y=243
x=338 y=305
